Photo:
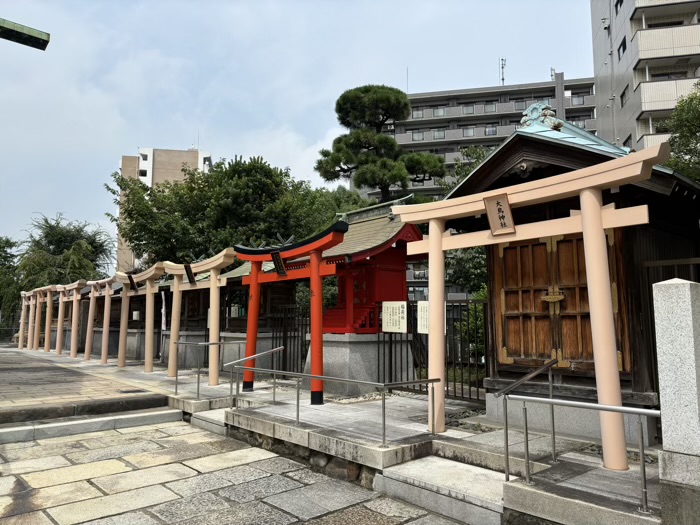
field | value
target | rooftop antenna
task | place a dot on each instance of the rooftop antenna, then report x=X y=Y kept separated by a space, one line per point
x=552 y=72
x=502 y=64
x=406 y=79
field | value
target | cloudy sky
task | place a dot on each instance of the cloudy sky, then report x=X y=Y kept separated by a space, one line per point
x=249 y=78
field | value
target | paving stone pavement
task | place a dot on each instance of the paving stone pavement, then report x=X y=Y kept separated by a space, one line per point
x=140 y=476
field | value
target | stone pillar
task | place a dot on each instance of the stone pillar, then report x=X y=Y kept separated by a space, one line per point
x=595 y=248
x=49 y=321
x=75 y=318
x=90 y=324
x=677 y=318
x=30 y=324
x=436 y=318
x=37 y=323
x=175 y=325
x=316 y=285
x=123 y=327
x=22 y=319
x=214 y=314
x=59 y=321
x=105 y=324
x=150 y=292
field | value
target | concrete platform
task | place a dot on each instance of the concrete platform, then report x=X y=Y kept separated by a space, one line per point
x=579 y=491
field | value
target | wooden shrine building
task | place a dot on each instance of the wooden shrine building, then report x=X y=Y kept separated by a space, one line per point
x=538 y=288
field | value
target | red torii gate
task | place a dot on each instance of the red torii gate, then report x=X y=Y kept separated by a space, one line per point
x=313 y=270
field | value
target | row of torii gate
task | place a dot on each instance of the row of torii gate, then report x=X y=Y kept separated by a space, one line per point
x=184 y=278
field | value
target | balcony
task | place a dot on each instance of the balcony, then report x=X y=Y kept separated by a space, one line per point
x=656 y=3
x=427 y=136
x=663 y=95
x=647 y=141
x=668 y=42
x=579 y=101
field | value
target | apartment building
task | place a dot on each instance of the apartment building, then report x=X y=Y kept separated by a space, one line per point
x=444 y=122
x=646 y=54
x=153 y=166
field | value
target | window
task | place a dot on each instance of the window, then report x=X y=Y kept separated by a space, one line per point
x=468 y=132
x=578 y=100
x=144 y=156
x=622 y=48
x=520 y=104
x=416 y=135
x=489 y=107
x=490 y=130
x=438 y=112
x=671 y=75
x=438 y=134
x=417 y=113
x=618 y=5
x=624 y=97
x=143 y=173
x=654 y=25
x=468 y=109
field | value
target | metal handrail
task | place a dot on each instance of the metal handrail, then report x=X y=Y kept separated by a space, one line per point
x=383 y=386
x=640 y=412
x=504 y=392
x=202 y=346
x=238 y=374
x=547 y=366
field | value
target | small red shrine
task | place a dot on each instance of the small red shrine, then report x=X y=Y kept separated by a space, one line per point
x=365 y=249
x=371 y=268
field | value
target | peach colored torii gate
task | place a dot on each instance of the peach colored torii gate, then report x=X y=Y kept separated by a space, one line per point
x=592 y=219
x=130 y=288
x=213 y=267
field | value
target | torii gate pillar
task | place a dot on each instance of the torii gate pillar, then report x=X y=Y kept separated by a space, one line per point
x=59 y=321
x=612 y=424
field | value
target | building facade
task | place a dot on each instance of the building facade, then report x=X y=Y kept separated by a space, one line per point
x=646 y=54
x=154 y=166
x=444 y=122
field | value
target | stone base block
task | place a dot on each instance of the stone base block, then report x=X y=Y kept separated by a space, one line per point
x=679 y=468
x=681 y=503
x=574 y=422
x=357 y=356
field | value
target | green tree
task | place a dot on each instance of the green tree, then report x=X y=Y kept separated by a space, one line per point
x=367 y=156
x=59 y=251
x=472 y=156
x=9 y=282
x=467 y=268
x=241 y=201
x=684 y=125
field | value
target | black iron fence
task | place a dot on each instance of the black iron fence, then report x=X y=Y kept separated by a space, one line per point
x=290 y=327
x=404 y=356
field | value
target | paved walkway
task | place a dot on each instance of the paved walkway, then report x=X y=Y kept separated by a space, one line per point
x=29 y=378
x=176 y=473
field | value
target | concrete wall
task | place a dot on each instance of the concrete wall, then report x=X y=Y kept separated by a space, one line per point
x=573 y=422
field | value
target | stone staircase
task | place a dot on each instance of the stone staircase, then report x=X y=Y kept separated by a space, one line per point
x=463 y=492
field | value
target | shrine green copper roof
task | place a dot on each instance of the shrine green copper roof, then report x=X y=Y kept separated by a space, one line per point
x=540 y=121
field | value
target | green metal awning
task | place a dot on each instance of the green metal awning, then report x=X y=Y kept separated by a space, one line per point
x=23 y=35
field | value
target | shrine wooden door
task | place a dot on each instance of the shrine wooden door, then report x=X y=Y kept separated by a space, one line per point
x=542 y=307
